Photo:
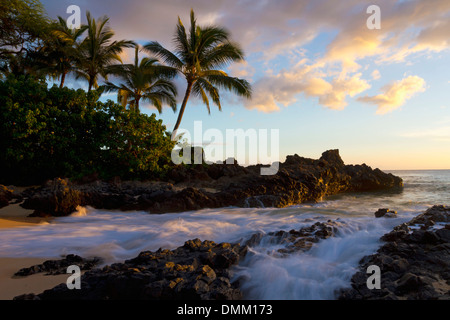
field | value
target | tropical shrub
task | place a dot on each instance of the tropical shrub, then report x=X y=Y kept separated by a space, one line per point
x=61 y=132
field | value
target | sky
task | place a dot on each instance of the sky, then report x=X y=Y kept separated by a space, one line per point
x=319 y=75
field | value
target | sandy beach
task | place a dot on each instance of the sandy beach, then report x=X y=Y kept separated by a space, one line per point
x=11 y=286
x=14 y=216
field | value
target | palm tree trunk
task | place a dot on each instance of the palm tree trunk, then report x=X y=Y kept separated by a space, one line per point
x=63 y=78
x=91 y=83
x=137 y=104
x=183 y=106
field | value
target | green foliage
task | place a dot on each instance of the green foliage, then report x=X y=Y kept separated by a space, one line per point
x=23 y=25
x=22 y=22
x=61 y=132
x=138 y=145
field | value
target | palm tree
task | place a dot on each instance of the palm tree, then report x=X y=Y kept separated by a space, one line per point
x=59 y=55
x=18 y=64
x=146 y=80
x=199 y=56
x=98 y=52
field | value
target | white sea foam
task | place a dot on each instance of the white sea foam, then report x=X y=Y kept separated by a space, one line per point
x=117 y=236
x=316 y=274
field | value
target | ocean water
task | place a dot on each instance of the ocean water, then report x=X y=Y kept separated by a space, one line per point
x=264 y=274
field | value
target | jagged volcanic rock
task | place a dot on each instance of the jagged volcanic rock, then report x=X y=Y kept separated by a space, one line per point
x=414 y=261
x=197 y=270
x=218 y=185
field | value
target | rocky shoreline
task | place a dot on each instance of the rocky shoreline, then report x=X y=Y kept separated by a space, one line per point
x=414 y=262
x=414 y=258
x=196 y=187
x=198 y=270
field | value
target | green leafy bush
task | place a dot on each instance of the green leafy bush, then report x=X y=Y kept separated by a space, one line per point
x=61 y=132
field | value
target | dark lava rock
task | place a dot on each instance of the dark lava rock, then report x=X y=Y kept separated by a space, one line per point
x=297 y=240
x=199 y=186
x=414 y=261
x=54 y=267
x=385 y=213
x=364 y=178
x=6 y=195
x=197 y=270
x=332 y=158
x=56 y=198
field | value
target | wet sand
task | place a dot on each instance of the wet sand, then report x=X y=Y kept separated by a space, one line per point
x=14 y=216
x=11 y=286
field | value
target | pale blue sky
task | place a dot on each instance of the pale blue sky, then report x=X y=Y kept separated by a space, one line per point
x=319 y=75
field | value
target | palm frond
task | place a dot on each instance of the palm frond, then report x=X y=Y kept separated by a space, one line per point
x=180 y=39
x=123 y=96
x=211 y=90
x=111 y=87
x=210 y=37
x=199 y=55
x=98 y=52
x=193 y=30
x=146 y=80
x=198 y=91
x=238 y=86
x=212 y=73
x=160 y=98
x=164 y=85
x=165 y=55
x=222 y=55
x=160 y=71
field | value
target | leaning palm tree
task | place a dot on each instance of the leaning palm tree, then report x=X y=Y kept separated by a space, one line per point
x=199 y=56
x=98 y=52
x=59 y=54
x=145 y=80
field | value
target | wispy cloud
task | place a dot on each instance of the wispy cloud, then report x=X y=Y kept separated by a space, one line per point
x=395 y=94
x=278 y=30
x=283 y=88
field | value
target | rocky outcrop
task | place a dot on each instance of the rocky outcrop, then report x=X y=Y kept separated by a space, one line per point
x=197 y=270
x=387 y=213
x=55 y=267
x=414 y=261
x=218 y=185
x=6 y=196
x=297 y=240
x=57 y=198
x=364 y=178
